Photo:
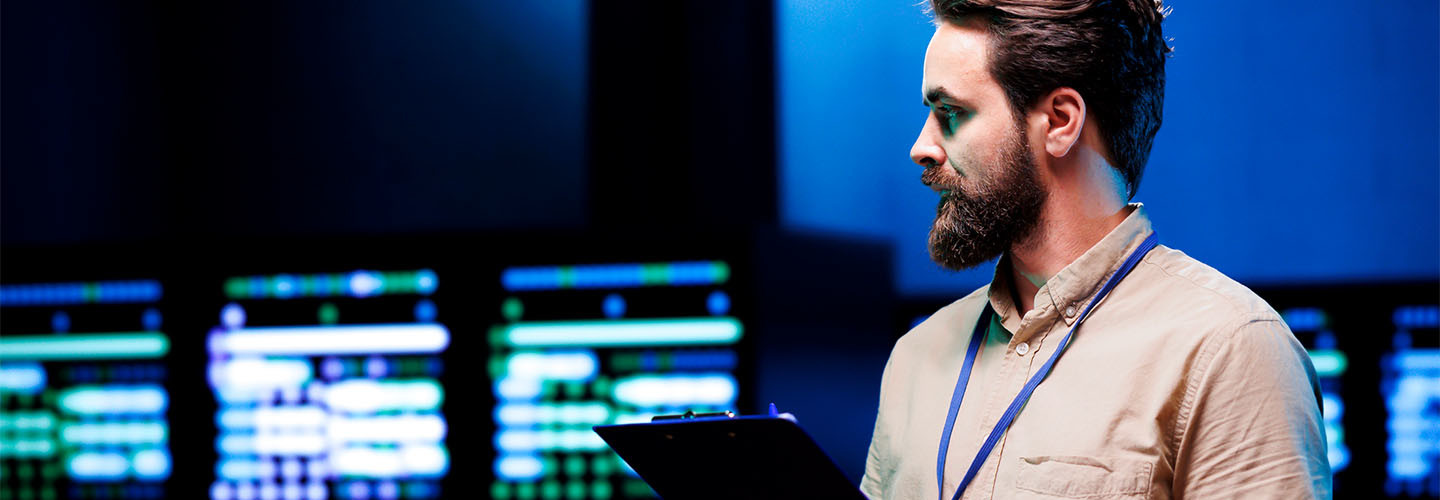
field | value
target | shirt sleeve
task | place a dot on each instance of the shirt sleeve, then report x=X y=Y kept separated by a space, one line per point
x=1250 y=423
x=879 y=463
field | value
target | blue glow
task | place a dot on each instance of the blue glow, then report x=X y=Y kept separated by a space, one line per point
x=1411 y=388
x=426 y=281
x=285 y=286
x=1304 y=319
x=614 y=306
x=718 y=303
x=151 y=319
x=719 y=359
x=22 y=377
x=233 y=316
x=363 y=283
x=614 y=276
x=425 y=311
x=65 y=294
x=60 y=322
x=1417 y=317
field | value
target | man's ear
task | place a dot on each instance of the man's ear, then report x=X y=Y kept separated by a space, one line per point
x=1064 y=113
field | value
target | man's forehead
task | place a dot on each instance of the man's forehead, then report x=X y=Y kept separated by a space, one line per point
x=956 y=58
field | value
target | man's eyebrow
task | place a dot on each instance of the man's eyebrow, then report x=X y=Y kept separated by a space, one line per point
x=938 y=94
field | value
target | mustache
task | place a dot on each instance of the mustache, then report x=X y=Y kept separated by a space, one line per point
x=935 y=178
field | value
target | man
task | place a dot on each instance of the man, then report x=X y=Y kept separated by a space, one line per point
x=1171 y=380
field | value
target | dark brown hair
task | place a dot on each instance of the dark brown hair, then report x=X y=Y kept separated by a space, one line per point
x=1110 y=51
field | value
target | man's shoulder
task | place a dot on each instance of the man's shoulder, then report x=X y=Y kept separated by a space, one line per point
x=1200 y=295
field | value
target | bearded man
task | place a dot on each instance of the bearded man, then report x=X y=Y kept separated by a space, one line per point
x=1096 y=364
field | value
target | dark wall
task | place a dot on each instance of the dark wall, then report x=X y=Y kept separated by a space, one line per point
x=135 y=121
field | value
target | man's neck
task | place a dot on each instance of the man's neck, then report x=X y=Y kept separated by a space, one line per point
x=1066 y=230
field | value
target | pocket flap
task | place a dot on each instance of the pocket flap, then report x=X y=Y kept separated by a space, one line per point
x=1080 y=477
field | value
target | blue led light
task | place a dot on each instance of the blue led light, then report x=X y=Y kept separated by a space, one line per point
x=1304 y=319
x=615 y=276
x=1417 y=317
x=150 y=319
x=426 y=281
x=60 y=322
x=63 y=294
x=718 y=303
x=22 y=377
x=425 y=311
x=614 y=306
x=232 y=316
x=285 y=286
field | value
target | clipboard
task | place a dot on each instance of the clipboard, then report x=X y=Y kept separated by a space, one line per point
x=728 y=457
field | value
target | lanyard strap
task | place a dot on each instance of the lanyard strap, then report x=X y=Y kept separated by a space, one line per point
x=978 y=337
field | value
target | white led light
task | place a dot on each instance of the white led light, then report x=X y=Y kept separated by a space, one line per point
x=22 y=377
x=366 y=462
x=113 y=433
x=238 y=469
x=97 y=466
x=110 y=400
x=515 y=388
x=519 y=468
x=322 y=340
x=234 y=443
x=286 y=444
x=260 y=373
x=619 y=333
x=648 y=391
x=424 y=460
x=290 y=418
x=151 y=464
x=396 y=428
x=579 y=365
x=369 y=396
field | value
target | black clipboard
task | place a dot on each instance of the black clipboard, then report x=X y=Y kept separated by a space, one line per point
x=728 y=457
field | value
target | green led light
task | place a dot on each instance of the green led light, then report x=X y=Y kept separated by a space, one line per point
x=720 y=272
x=602 y=465
x=500 y=490
x=619 y=333
x=550 y=490
x=512 y=309
x=575 y=466
x=329 y=314
x=122 y=345
x=1329 y=362
x=600 y=490
x=525 y=491
x=575 y=489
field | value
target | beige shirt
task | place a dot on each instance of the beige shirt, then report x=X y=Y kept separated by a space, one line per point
x=1181 y=383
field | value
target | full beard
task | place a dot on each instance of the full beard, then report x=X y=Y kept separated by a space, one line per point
x=1003 y=209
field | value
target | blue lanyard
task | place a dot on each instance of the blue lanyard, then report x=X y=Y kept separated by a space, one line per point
x=977 y=338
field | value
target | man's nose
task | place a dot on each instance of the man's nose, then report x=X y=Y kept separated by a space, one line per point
x=926 y=151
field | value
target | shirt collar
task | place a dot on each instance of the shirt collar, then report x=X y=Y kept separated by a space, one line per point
x=1066 y=294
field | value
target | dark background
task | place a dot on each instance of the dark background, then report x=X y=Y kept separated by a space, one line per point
x=195 y=141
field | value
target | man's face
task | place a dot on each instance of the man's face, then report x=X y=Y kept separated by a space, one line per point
x=975 y=152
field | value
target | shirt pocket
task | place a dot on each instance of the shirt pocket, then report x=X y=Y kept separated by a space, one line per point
x=1084 y=477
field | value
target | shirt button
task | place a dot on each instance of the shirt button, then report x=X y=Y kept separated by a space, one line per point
x=1070 y=311
x=1022 y=349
